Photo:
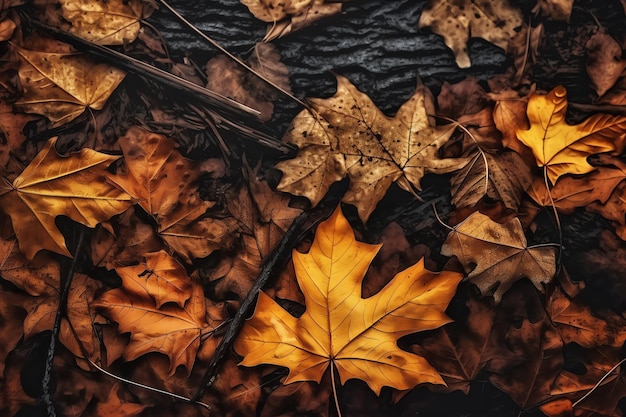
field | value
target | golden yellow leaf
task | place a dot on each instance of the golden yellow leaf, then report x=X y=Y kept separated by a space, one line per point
x=171 y=330
x=105 y=22
x=341 y=329
x=456 y=20
x=77 y=186
x=498 y=254
x=348 y=135
x=161 y=276
x=562 y=148
x=61 y=86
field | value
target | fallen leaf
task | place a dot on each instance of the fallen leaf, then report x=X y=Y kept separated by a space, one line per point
x=575 y=323
x=561 y=407
x=457 y=21
x=604 y=61
x=166 y=186
x=465 y=97
x=113 y=406
x=562 y=148
x=11 y=317
x=347 y=135
x=61 y=86
x=498 y=177
x=509 y=115
x=524 y=49
x=7 y=26
x=37 y=277
x=12 y=133
x=52 y=186
x=559 y=10
x=104 y=22
x=613 y=209
x=160 y=276
x=498 y=254
x=171 y=330
x=339 y=328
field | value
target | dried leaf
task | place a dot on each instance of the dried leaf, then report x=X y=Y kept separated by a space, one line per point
x=559 y=10
x=114 y=406
x=355 y=335
x=604 y=61
x=348 y=135
x=37 y=277
x=456 y=21
x=52 y=186
x=104 y=22
x=61 y=86
x=504 y=178
x=498 y=254
x=562 y=148
x=171 y=330
x=7 y=26
x=160 y=276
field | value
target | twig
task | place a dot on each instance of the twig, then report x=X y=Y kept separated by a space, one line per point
x=47 y=376
x=230 y=55
x=599 y=382
x=273 y=263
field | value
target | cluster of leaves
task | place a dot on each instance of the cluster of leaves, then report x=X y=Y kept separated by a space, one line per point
x=135 y=256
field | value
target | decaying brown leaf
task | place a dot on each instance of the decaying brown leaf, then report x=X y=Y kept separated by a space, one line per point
x=604 y=61
x=61 y=86
x=347 y=135
x=457 y=21
x=555 y=9
x=52 y=186
x=495 y=254
x=562 y=148
x=339 y=328
x=114 y=406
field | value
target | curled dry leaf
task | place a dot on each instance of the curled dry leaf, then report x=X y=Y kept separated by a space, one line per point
x=562 y=148
x=339 y=328
x=61 y=86
x=114 y=406
x=104 y=22
x=52 y=186
x=493 y=20
x=7 y=26
x=499 y=177
x=171 y=330
x=560 y=10
x=347 y=135
x=605 y=64
x=498 y=254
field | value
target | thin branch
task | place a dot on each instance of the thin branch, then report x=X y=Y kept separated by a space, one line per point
x=598 y=383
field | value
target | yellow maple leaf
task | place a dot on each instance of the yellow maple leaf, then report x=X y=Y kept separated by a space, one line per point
x=348 y=135
x=562 y=148
x=77 y=186
x=61 y=86
x=341 y=329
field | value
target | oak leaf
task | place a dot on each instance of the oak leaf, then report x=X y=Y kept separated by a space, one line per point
x=498 y=254
x=61 y=86
x=347 y=135
x=52 y=186
x=105 y=22
x=562 y=148
x=171 y=330
x=341 y=329
x=494 y=21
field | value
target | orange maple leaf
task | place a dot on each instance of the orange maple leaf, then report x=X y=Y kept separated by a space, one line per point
x=341 y=329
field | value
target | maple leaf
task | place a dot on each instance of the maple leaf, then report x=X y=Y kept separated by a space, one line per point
x=494 y=21
x=51 y=186
x=341 y=329
x=562 y=148
x=171 y=330
x=348 y=135
x=105 y=22
x=494 y=253
x=160 y=276
x=61 y=86
x=165 y=184
x=500 y=177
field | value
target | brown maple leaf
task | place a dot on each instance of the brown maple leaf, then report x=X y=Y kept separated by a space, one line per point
x=562 y=148
x=495 y=21
x=52 y=186
x=174 y=331
x=347 y=135
x=61 y=86
x=498 y=254
x=341 y=329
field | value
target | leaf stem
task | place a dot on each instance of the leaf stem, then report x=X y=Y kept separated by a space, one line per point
x=598 y=383
x=333 y=386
